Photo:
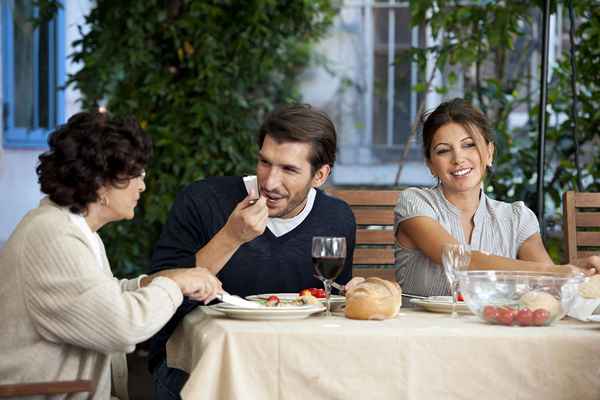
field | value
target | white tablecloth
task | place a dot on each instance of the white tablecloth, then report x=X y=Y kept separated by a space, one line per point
x=418 y=355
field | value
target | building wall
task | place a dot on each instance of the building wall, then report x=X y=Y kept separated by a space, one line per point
x=19 y=190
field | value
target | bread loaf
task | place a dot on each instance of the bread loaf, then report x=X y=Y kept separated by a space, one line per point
x=373 y=299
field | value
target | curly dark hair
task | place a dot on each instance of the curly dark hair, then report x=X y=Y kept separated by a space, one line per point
x=91 y=150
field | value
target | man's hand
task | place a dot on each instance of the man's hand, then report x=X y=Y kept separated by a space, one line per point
x=248 y=220
x=196 y=283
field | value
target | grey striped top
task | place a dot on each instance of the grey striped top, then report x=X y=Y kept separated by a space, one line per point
x=500 y=229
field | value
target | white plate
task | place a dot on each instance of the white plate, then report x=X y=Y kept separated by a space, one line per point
x=440 y=304
x=334 y=298
x=269 y=313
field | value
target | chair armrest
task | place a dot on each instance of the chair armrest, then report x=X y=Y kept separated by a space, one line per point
x=46 y=388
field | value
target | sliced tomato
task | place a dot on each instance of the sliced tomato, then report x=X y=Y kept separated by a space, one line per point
x=315 y=292
x=318 y=293
x=273 y=300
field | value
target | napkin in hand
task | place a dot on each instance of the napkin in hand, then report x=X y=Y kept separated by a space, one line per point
x=251 y=184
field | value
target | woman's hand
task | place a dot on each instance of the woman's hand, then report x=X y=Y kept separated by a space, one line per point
x=196 y=283
x=573 y=269
x=589 y=265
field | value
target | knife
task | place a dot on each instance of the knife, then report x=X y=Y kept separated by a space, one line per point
x=237 y=301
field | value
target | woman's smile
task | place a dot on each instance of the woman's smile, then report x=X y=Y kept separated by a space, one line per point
x=462 y=172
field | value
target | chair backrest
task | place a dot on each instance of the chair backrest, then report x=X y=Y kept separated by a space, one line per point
x=46 y=388
x=375 y=240
x=581 y=213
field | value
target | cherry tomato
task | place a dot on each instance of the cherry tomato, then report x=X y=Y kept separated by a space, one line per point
x=490 y=313
x=524 y=317
x=515 y=311
x=505 y=316
x=540 y=317
x=318 y=293
x=460 y=297
x=273 y=301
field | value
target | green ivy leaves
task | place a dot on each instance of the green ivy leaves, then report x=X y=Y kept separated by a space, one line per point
x=199 y=75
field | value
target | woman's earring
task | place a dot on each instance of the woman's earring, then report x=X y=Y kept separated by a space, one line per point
x=104 y=201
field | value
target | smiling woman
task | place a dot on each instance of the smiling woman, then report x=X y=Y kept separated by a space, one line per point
x=458 y=148
x=57 y=290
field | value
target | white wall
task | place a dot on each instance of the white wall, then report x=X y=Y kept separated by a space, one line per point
x=19 y=190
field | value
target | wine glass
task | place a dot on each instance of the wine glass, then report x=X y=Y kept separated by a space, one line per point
x=455 y=258
x=328 y=255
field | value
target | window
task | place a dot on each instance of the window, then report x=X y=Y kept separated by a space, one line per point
x=33 y=73
x=393 y=101
x=375 y=105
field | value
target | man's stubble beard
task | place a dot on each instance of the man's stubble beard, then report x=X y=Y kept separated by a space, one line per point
x=294 y=204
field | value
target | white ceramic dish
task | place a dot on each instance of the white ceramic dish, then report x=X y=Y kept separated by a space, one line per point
x=441 y=304
x=334 y=298
x=269 y=313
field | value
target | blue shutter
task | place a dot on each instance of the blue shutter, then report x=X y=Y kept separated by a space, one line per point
x=41 y=94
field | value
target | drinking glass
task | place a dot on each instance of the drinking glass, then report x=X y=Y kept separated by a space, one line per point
x=455 y=258
x=328 y=256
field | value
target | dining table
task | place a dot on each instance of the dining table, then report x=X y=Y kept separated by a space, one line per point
x=416 y=355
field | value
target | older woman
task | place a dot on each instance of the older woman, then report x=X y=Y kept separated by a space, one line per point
x=458 y=148
x=64 y=315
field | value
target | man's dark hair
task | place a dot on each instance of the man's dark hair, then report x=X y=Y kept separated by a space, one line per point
x=91 y=150
x=302 y=123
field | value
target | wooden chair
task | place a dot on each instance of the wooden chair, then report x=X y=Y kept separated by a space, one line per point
x=581 y=213
x=375 y=240
x=46 y=388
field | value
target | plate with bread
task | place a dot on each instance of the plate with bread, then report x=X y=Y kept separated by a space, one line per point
x=441 y=304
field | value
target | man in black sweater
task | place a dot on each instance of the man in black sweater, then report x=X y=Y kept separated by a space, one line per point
x=256 y=245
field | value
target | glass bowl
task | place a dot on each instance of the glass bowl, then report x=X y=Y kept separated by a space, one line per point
x=519 y=298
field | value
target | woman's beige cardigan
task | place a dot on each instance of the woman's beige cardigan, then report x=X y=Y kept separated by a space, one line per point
x=62 y=317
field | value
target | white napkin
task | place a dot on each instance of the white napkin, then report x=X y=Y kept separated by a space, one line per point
x=582 y=309
x=251 y=184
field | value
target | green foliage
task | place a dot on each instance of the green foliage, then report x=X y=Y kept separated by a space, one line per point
x=562 y=149
x=199 y=75
x=47 y=9
x=493 y=44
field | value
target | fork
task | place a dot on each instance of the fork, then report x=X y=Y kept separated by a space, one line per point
x=335 y=285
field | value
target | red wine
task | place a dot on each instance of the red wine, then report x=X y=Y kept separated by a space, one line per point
x=328 y=267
